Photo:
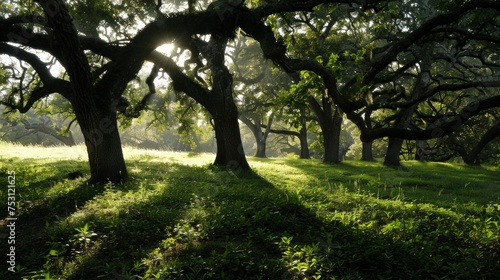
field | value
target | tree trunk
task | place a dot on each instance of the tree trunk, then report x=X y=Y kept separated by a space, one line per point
x=103 y=147
x=96 y=118
x=256 y=129
x=331 y=124
x=395 y=144
x=261 y=148
x=260 y=137
x=404 y=115
x=367 y=152
x=229 y=146
x=421 y=147
x=304 y=146
x=331 y=138
x=393 y=152
x=224 y=111
x=262 y=144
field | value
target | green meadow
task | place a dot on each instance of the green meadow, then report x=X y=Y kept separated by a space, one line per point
x=179 y=217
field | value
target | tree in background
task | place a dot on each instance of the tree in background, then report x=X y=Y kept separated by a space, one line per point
x=261 y=94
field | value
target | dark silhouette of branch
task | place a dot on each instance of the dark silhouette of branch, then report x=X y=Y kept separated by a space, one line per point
x=281 y=131
x=473 y=109
x=48 y=130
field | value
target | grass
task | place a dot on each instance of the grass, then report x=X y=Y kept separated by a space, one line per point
x=178 y=217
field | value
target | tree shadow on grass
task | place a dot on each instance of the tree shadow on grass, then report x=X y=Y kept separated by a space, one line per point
x=172 y=221
x=44 y=196
x=187 y=214
x=437 y=183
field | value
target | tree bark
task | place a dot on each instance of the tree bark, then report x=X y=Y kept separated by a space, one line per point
x=331 y=139
x=260 y=137
x=331 y=124
x=304 y=146
x=261 y=148
x=421 y=147
x=104 y=148
x=230 y=151
x=367 y=152
x=224 y=112
x=473 y=157
x=96 y=118
x=393 y=152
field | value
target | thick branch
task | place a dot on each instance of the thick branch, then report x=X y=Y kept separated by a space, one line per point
x=26 y=37
x=276 y=51
x=489 y=136
x=51 y=84
x=448 y=87
x=39 y=66
x=318 y=111
x=181 y=81
x=67 y=42
x=282 y=131
x=68 y=140
x=468 y=112
x=136 y=111
x=164 y=29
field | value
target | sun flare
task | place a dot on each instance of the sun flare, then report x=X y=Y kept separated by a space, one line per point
x=166 y=48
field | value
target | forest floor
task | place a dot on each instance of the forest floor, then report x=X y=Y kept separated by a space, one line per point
x=179 y=217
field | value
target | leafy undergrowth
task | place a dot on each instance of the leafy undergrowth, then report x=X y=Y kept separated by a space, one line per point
x=178 y=217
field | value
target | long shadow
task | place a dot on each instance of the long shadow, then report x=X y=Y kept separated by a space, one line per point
x=143 y=228
x=46 y=197
x=36 y=210
x=193 y=222
x=440 y=184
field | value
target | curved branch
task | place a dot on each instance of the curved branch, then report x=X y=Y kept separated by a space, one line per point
x=282 y=131
x=447 y=128
x=51 y=84
x=136 y=111
x=39 y=66
x=42 y=128
x=276 y=51
x=26 y=37
x=489 y=136
x=449 y=87
x=181 y=81
x=129 y=60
